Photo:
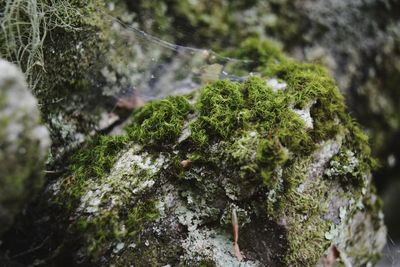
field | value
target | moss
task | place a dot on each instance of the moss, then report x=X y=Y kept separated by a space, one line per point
x=303 y=211
x=93 y=161
x=159 y=122
x=270 y=155
x=220 y=108
x=307 y=86
x=106 y=229
x=66 y=45
x=140 y=215
x=230 y=21
x=261 y=53
x=98 y=232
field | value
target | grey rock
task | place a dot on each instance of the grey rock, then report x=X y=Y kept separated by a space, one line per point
x=24 y=143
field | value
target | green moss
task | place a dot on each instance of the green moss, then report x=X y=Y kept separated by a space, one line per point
x=98 y=232
x=303 y=211
x=270 y=155
x=308 y=86
x=220 y=108
x=93 y=161
x=141 y=214
x=106 y=229
x=159 y=122
x=65 y=47
x=261 y=53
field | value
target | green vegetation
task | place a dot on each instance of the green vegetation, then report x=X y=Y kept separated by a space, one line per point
x=106 y=229
x=159 y=122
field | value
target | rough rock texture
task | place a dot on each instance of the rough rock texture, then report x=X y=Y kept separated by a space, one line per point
x=24 y=144
x=279 y=152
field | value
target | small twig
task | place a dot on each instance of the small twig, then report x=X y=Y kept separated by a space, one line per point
x=235 y=225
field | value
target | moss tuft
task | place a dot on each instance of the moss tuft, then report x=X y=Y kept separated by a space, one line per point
x=220 y=108
x=270 y=155
x=159 y=122
x=94 y=161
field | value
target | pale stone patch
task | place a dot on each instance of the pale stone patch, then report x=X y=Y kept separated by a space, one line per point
x=276 y=85
x=130 y=175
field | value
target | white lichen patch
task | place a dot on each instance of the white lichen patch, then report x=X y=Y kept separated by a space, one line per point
x=278 y=188
x=131 y=159
x=133 y=172
x=55 y=187
x=118 y=247
x=202 y=243
x=338 y=168
x=305 y=115
x=91 y=200
x=332 y=233
x=276 y=85
x=322 y=156
x=207 y=244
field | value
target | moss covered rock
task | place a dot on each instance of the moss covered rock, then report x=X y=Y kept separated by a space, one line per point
x=276 y=157
x=24 y=144
x=357 y=40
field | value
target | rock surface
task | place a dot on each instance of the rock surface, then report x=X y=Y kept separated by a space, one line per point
x=278 y=152
x=24 y=144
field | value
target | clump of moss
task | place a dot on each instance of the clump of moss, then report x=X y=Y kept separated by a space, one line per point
x=270 y=155
x=220 y=108
x=159 y=122
x=308 y=86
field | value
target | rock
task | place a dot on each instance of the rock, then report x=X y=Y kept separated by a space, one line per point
x=298 y=195
x=24 y=144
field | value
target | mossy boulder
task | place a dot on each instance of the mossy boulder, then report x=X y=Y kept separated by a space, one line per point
x=276 y=155
x=357 y=40
x=24 y=144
